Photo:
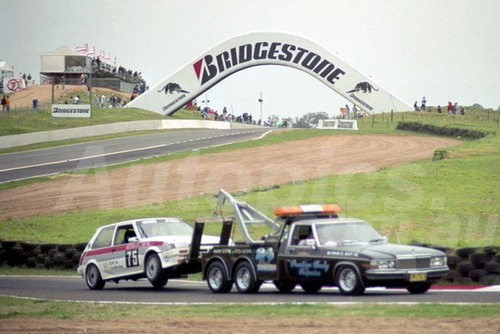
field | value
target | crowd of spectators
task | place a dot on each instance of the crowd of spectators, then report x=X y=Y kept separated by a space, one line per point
x=452 y=108
x=211 y=114
x=120 y=71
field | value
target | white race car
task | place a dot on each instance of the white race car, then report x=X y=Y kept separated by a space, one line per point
x=156 y=248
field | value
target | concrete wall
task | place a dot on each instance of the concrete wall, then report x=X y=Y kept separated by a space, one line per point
x=105 y=129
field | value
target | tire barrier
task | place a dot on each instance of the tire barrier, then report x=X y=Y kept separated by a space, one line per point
x=468 y=265
x=42 y=256
x=474 y=265
x=440 y=130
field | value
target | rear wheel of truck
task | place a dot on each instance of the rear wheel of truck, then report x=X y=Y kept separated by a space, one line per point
x=217 y=278
x=245 y=279
x=311 y=287
x=284 y=286
x=154 y=271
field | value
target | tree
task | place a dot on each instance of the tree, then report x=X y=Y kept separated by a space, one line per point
x=310 y=120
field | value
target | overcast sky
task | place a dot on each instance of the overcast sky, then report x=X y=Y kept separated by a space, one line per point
x=445 y=50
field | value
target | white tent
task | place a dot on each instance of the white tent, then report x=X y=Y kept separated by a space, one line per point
x=6 y=70
x=64 y=59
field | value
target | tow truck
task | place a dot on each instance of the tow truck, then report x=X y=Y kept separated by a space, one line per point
x=310 y=246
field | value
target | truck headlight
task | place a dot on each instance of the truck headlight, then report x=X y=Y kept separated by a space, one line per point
x=438 y=261
x=382 y=264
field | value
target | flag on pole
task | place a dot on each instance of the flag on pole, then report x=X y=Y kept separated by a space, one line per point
x=83 y=48
x=101 y=55
x=91 y=52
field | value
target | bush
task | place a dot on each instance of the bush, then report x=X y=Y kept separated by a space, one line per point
x=440 y=130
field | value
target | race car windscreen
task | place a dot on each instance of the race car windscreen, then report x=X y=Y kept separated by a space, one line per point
x=165 y=227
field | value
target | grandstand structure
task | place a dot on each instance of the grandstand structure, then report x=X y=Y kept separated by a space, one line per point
x=67 y=66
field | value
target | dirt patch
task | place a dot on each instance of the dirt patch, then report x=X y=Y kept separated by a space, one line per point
x=234 y=170
x=254 y=325
x=43 y=93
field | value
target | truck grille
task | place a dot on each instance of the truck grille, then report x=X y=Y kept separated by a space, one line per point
x=415 y=263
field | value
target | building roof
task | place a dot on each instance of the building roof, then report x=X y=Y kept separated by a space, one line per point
x=4 y=66
x=64 y=51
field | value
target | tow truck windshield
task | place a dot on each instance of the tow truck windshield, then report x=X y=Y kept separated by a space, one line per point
x=346 y=233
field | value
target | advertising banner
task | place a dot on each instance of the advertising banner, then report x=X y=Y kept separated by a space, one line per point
x=268 y=48
x=71 y=110
x=338 y=124
x=11 y=85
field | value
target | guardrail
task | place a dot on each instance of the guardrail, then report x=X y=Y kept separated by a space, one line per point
x=112 y=128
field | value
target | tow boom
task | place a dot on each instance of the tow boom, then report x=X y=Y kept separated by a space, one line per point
x=244 y=214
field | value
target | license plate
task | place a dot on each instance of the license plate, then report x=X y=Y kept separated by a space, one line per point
x=416 y=277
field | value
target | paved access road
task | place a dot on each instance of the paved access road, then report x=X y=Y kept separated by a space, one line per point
x=15 y=166
x=183 y=291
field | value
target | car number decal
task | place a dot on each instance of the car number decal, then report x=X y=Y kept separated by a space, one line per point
x=132 y=258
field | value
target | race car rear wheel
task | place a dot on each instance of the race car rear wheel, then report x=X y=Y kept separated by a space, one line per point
x=93 y=278
x=154 y=271
x=217 y=278
x=245 y=279
x=348 y=281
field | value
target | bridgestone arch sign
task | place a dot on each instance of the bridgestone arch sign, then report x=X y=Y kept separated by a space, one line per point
x=267 y=48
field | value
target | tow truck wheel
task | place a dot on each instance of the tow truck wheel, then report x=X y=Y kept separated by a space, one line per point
x=93 y=278
x=311 y=287
x=217 y=278
x=418 y=288
x=349 y=281
x=245 y=280
x=154 y=271
x=284 y=286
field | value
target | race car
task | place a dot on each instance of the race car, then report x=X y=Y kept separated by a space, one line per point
x=155 y=248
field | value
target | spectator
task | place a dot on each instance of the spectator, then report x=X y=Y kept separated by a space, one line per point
x=347 y=112
x=415 y=106
x=450 y=107
x=7 y=103
x=439 y=109
x=455 y=108
x=35 y=104
x=4 y=103
x=103 y=100
x=77 y=99
x=424 y=101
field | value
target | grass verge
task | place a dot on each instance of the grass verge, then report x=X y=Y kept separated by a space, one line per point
x=29 y=308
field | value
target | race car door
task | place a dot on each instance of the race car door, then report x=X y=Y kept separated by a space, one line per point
x=126 y=251
x=104 y=251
